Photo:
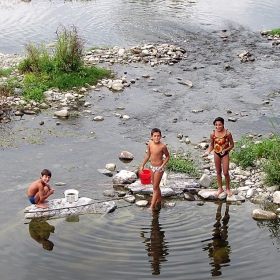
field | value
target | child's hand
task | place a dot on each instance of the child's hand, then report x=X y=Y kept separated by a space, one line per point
x=205 y=154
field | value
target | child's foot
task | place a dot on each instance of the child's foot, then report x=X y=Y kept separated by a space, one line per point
x=229 y=193
x=151 y=208
x=219 y=192
x=42 y=205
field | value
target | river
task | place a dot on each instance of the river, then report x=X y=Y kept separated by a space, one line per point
x=191 y=240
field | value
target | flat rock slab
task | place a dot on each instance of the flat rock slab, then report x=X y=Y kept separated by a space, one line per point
x=59 y=208
x=166 y=191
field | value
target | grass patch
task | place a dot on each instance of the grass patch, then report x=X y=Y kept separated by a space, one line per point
x=274 y=31
x=182 y=162
x=6 y=72
x=247 y=152
x=61 y=67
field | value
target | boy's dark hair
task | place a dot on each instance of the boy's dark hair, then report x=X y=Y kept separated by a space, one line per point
x=46 y=172
x=219 y=119
x=155 y=130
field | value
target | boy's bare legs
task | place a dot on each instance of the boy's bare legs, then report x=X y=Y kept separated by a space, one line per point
x=218 y=165
x=157 y=175
x=39 y=203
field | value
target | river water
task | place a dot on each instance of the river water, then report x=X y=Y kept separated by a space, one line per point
x=191 y=240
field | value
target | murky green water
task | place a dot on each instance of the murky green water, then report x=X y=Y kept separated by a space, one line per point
x=188 y=241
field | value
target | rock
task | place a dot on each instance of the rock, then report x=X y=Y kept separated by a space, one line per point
x=232 y=119
x=260 y=214
x=205 y=181
x=186 y=83
x=188 y=196
x=126 y=117
x=117 y=86
x=126 y=155
x=61 y=113
x=60 y=184
x=105 y=172
x=235 y=198
x=210 y=194
x=124 y=177
x=110 y=166
x=129 y=198
x=203 y=145
x=98 y=119
x=142 y=203
x=276 y=197
x=110 y=193
x=121 y=194
x=169 y=204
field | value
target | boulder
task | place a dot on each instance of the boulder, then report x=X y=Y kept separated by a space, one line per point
x=260 y=214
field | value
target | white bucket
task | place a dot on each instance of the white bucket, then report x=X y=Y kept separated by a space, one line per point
x=71 y=195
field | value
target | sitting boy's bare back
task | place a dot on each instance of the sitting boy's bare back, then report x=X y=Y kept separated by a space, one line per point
x=40 y=190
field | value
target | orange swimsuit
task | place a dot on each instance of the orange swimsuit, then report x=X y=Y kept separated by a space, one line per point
x=221 y=143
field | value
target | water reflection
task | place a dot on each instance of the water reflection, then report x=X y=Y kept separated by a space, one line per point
x=156 y=245
x=40 y=231
x=219 y=249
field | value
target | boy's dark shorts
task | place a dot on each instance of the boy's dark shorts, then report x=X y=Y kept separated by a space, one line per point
x=32 y=200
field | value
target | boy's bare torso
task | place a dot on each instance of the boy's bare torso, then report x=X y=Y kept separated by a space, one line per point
x=157 y=152
x=35 y=187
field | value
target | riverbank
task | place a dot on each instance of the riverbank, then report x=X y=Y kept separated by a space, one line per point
x=161 y=85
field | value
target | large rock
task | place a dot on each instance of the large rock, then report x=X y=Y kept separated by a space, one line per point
x=210 y=195
x=205 y=181
x=124 y=177
x=126 y=155
x=260 y=214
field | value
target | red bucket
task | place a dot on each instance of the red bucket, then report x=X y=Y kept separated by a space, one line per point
x=145 y=176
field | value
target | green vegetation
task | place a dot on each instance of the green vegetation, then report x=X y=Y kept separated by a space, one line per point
x=182 y=162
x=5 y=72
x=274 y=31
x=62 y=67
x=7 y=87
x=247 y=151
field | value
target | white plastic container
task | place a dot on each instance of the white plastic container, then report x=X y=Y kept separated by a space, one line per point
x=163 y=181
x=71 y=195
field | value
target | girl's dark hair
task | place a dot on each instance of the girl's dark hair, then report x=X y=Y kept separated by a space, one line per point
x=219 y=119
x=46 y=172
x=155 y=130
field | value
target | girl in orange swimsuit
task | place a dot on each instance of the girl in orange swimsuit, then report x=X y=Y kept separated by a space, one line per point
x=221 y=142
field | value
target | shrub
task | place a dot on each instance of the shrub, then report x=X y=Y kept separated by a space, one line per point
x=247 y=151
x=182 y=162
x=62 y=67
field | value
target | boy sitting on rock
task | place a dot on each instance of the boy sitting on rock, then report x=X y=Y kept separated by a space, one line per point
x=40 y=190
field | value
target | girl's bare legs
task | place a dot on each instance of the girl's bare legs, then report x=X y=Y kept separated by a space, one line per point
x=156 y=177
x=218 y=165
x=225 y=162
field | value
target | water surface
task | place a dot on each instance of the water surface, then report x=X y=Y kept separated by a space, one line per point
x=189 y=241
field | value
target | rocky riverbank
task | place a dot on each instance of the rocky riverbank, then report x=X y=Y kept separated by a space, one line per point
x=63 y=104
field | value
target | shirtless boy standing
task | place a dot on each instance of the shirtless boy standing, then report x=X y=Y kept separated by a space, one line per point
x=156 y=150
x=40 y=190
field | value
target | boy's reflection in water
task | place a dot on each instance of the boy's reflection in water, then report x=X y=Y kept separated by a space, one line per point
x=156 y=246
x=40 y=231
x=219 y=248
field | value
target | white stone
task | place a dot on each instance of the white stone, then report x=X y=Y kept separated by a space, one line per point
x=276 y=197
x=205 y=181
x=98 y=118
x=142 y=203
x=111 y=166
x=61 y=113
